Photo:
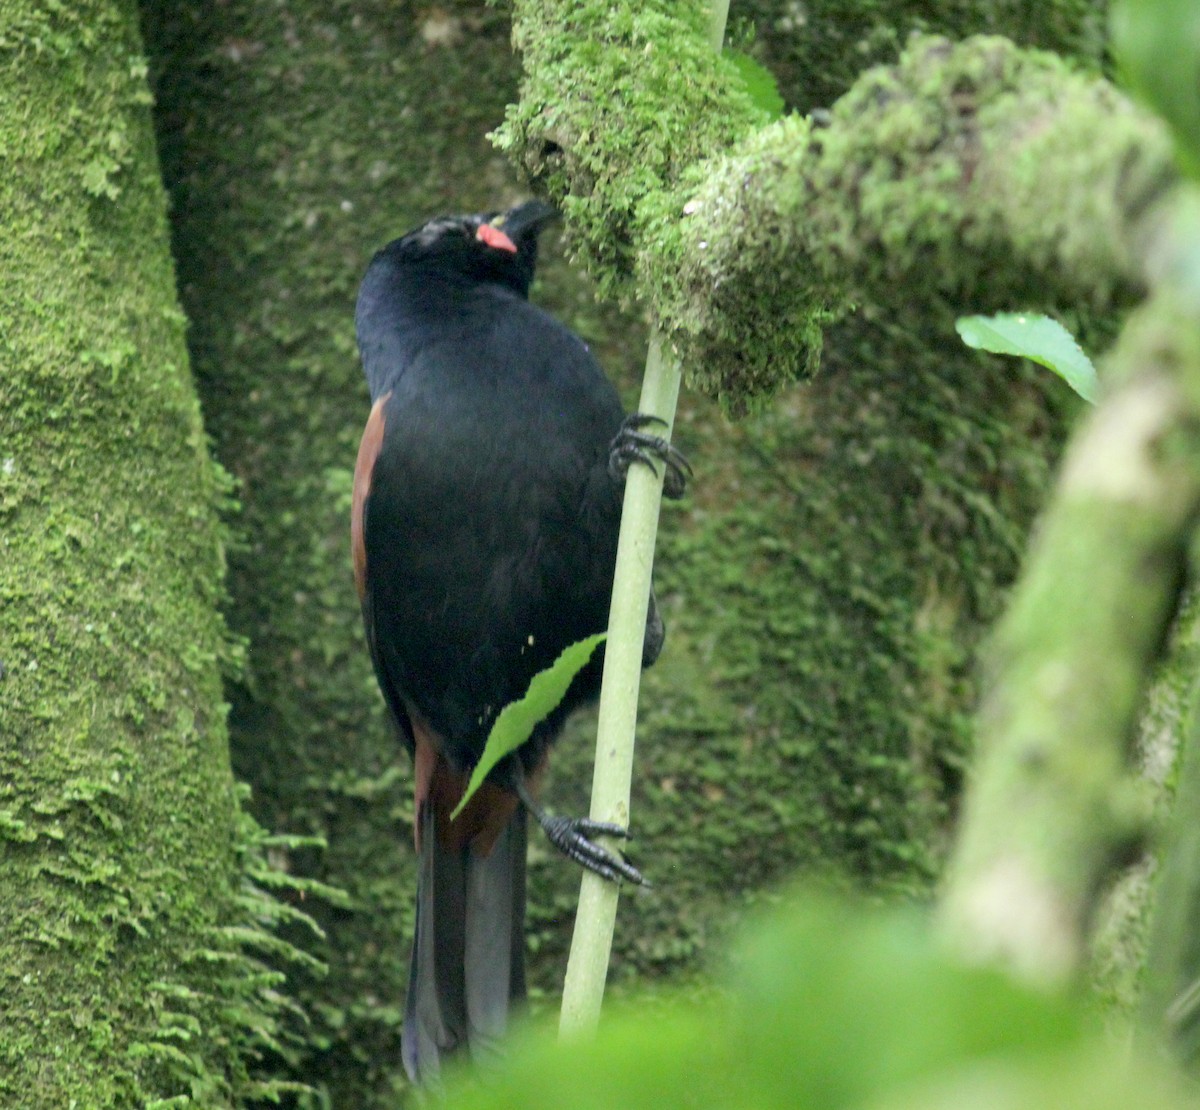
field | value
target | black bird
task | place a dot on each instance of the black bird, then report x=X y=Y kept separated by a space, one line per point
x=487 y=498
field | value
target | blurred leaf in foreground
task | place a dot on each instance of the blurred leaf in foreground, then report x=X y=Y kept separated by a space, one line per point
x=832 y=1004
x=1157 y=47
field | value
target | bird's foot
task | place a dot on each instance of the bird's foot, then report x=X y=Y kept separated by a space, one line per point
x=572 y=836
x=631 y=444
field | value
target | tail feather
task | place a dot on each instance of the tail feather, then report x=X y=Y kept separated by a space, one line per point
x=468 y=957
x=495 y=940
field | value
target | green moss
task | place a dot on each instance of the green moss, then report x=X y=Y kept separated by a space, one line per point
x=124 y=971
x=950 y=177
x=819 y=48
x=616 y=102
x=740 y=300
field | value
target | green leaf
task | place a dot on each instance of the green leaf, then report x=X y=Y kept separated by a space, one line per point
x=518 y=719
x=760 y=83
x=1033 y=337
x=1157 y=46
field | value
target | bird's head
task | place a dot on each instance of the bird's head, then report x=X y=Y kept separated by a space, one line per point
x=489 y=246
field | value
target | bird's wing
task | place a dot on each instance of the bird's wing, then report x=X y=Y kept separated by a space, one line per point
x=364 y=469
x=489 y=812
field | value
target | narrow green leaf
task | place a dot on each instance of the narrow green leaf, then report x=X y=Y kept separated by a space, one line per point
x=760 y=83
x=518 y=719
x=1034 y=337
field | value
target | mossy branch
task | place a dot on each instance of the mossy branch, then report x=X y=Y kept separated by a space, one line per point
x=954 y=175
x=951 y=177
x=1071 y=660
x=616 y=102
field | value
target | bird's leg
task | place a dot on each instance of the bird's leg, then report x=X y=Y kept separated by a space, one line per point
x=631 y=445
x=571 y=836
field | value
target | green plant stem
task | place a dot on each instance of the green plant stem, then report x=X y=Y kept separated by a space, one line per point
x=587 y=966
x=718 y=15
x=591 y=944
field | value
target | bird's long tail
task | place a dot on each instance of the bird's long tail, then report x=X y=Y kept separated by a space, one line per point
x=468 y=956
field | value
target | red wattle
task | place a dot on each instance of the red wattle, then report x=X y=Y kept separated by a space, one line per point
x=494 y=237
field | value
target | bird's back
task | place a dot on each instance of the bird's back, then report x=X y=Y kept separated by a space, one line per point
x=492 y=520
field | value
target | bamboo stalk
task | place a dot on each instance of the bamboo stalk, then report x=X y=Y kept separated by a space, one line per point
x=591 y=944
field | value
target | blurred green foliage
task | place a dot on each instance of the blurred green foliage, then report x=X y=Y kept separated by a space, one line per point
x=1157 y=45
x=831 y=1004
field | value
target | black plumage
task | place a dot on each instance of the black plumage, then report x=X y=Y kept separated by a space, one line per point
x=486 y=510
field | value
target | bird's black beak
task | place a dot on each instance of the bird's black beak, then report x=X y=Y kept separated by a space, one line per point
x=525 y=220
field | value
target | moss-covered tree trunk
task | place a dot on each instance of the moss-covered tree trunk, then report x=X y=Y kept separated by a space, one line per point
x=824 y=586
x=296 y=140
x=118 y=815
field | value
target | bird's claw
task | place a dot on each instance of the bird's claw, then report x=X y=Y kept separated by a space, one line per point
x=631 y=445
x=571 y=836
